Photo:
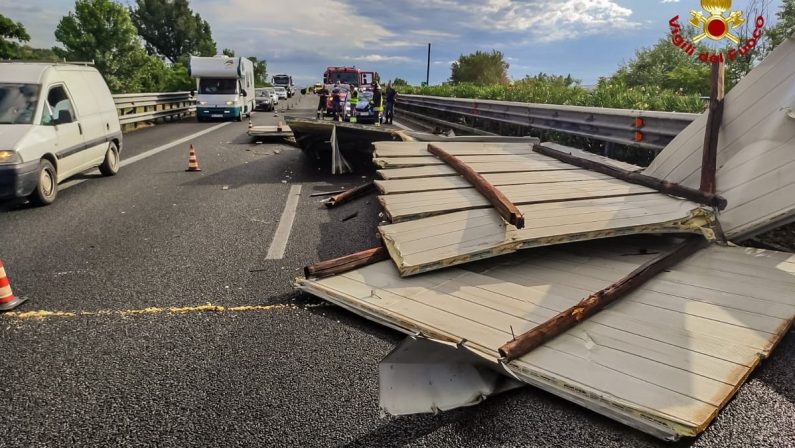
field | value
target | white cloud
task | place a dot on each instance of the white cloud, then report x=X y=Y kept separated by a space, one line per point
x=545 y=21
x=669 y=1
x=320 y=25
x=379 y=58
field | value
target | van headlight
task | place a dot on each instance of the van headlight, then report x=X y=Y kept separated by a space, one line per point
x=202 y=103
x=8 y=157
x=232 y=103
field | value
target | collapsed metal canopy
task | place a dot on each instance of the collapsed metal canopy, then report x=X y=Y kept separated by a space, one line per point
x=667 y=356
x=665 y=359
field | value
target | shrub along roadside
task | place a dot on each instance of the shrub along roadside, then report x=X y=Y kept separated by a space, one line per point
x=605 y=94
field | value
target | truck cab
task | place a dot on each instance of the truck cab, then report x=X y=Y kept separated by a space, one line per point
x=352 y=76
x=285 y=81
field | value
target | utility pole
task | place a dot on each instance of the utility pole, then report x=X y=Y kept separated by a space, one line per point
x=428 y=69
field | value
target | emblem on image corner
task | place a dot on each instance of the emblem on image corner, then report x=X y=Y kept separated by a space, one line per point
x=716 y=25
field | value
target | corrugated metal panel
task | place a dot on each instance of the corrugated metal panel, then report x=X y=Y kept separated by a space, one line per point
x=414 y=149
x=403 y=207
x=446 y=240
x=493 y=166
x=664 y=359
x=405 y=162
x=437 y=183
x=756 y=149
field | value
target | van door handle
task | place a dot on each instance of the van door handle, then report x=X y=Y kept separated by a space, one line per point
x=80 y=128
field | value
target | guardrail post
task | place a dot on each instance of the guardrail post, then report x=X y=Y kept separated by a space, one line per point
x=609 y=147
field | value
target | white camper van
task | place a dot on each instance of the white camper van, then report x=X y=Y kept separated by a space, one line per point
x=56 y=120
x=225 y=87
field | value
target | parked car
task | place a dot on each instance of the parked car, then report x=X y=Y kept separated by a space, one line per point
x=56 y=120
x=364 y=110
x=282 y=92
x=274 y=95
x=263 y=100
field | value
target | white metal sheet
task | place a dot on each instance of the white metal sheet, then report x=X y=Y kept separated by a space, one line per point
x=756 y=149
x=666 y=368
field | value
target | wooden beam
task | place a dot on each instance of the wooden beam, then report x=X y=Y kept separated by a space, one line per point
x=663 y=186
x=348 y=195
x=528 y=341
x=502 y=204
x=714 y=120
x=347 y=263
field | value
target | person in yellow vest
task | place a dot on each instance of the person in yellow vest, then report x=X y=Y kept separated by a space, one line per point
x=353 y=100
x=377 y=103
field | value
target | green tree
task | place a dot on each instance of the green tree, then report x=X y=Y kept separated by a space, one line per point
x=11 y=31
x=260 y=71
x=228 y=52
x=480 y=68
x=101 y=30
x=172 y=30
x=399 y=82
x=667 y=66
x=785 y=27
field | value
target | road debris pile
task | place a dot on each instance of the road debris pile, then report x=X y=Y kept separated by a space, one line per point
x=624 y=290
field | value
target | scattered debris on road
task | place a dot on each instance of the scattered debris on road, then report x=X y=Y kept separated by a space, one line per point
x=691 y=314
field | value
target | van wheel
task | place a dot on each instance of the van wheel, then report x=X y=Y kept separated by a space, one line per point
x=47 y=186
x=111 y=164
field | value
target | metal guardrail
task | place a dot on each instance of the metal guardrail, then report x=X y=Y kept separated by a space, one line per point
x=635 y=128
x=135 y=108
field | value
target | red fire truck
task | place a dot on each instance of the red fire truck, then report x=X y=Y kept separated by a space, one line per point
x=352 y=76
x=348 y=77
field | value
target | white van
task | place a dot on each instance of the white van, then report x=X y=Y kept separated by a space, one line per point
x=56 y=120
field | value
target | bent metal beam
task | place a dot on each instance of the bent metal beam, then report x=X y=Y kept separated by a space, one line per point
x=663 y=186
x=502 y=204
x=567 y=319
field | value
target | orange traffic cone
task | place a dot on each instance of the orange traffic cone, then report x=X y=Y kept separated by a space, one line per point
x=193 y=164
x=7 y=300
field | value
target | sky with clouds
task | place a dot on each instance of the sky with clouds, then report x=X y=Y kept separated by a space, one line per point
x=584 y=38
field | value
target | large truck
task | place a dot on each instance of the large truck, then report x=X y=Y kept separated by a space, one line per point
x=285 y=81
x=352 y=76
x=225 y=87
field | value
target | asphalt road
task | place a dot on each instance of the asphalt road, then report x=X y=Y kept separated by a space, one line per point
x=114 y=367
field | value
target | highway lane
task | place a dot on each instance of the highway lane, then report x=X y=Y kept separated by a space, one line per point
x=287 y=371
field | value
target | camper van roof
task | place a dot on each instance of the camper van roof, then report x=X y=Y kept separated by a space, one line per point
x=31 y=73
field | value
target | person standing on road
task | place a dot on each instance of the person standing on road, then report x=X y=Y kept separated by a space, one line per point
x=321 y=104
x=391 y=94
x=378 y=103
x=336 y=101
x=353 y=100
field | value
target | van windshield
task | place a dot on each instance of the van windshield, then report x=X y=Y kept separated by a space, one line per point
x=218 y=86
x=18 y=103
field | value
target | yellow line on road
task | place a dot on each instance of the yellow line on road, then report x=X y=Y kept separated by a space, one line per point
x=207 y=308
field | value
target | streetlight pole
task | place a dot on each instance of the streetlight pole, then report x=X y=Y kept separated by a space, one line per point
x=428 y=67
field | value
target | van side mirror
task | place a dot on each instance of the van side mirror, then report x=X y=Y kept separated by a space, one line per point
x=243 y=92
x=64 y=117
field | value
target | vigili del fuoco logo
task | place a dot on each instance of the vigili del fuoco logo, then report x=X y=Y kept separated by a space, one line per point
x=717 y=24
